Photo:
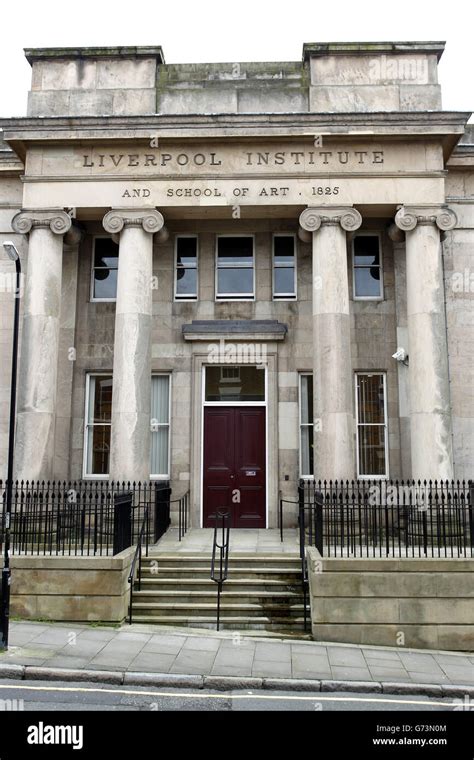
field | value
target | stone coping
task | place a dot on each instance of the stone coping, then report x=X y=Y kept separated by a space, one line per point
x=313 y=49
x=128 y=51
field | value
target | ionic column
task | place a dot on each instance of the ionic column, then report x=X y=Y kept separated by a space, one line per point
x=430 y=413
x=332 y=371
x=130 y=435
x=34 y=453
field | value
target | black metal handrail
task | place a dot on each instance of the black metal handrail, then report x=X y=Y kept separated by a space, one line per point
x=144 y=531
x=280 y=512
x=183 y=514
x=220 y=576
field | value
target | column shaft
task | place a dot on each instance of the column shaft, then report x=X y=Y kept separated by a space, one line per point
x=34 y=452
x=131 y=395
x=430 y=407
x=332 y=366
x=430 y=414
x=334 y=428
x=130 y=445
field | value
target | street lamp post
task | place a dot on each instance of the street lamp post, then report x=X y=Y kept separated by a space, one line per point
x=5 y=611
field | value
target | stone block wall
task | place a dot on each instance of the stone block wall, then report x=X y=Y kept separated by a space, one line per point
x=80 y=589
x=410 y=602
x=373 y=339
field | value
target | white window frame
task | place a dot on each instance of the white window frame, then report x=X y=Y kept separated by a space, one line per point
x=233 y=296
x=178 y=298
x=361 y=476
x=285 y=296
x=87 y=425
x=162 y=476
x=368 y=233
x=93 y=298
x=303 y=424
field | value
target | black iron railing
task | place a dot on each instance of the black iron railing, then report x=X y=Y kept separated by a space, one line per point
x=81 y=517
x=183 y=514
x=137 y=557
x=282 y=501
x=220 y=555
x=387 y=518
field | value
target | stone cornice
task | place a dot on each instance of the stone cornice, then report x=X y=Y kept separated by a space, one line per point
x=48 y=54
x=267 y=124
x=408 y=217
x=57 y=220
x=313 y=217
x=149 y=219
x=317 y=49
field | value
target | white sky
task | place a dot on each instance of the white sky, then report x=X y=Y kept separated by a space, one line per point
x=233 y=30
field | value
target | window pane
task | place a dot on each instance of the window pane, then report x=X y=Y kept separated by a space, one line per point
x=371 y=440
x=186 y=251
x=186 y=282
x=159 y=451
x=160 y=387
x=370 y=399
x=160 y=390
x=105 y=283
x=367 y=281
x=100 y=399
x=306 y=399
x=366 y=250
x=234 y=250
x=307 y=467
x=105 y=253
x=284 y=249
x=235 y=281
x=284 y=281
x=98 y=450
x=242 y=383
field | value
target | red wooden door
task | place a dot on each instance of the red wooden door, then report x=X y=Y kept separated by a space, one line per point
x=234 y=465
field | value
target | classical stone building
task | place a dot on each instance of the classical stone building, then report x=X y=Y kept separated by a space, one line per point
x=240 y=274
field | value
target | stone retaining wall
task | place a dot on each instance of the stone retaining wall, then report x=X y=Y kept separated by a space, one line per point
x=71 y=588
x=393 y=602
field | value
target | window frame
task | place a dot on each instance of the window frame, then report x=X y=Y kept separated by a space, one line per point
x=285 y=296
x=233 y=296
x=362 y=373
x=303 y=424
x=176 y=297
x=367 y=233
x=155 y=476
x=87 y=425
x=93 y=298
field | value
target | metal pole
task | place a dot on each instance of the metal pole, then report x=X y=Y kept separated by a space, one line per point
x=11 y=448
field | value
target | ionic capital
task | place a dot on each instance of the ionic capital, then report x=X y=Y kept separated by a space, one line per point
x=313 y=217
x=57 y=220
x=408 y=217
x=149 y=219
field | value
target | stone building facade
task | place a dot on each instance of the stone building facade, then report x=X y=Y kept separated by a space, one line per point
x=239 y=274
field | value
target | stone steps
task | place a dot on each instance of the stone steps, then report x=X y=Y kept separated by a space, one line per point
x=294 y=626
x=157 y=596
x=263 y=592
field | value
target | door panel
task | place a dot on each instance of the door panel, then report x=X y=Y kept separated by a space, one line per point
x=234 y=465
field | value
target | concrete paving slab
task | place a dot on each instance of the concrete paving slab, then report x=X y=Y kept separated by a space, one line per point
x=262 y=668
x=272 y=652
x=201 y=644
x=153 y=663
x=350 y=674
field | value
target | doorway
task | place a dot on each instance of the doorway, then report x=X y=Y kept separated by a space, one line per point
x=234 y=465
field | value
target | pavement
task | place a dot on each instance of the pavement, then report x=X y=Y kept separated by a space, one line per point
x=191 y=658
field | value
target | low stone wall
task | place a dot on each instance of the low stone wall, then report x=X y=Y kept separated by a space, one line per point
x=393 y=602
x=71 y=588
